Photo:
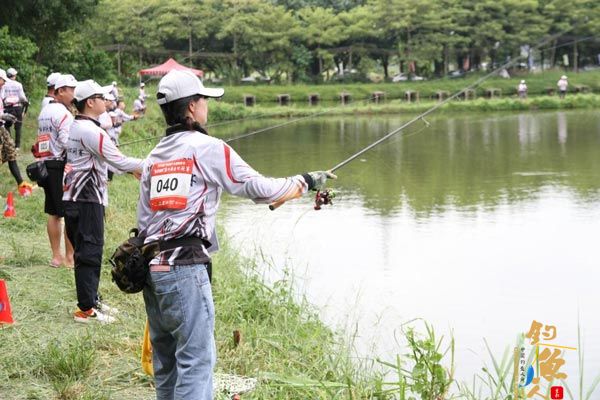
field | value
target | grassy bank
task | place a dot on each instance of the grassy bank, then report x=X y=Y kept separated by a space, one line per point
x=537 y=84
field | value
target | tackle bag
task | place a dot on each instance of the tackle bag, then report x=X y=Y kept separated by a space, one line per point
x=130 y=261
x=37 y=172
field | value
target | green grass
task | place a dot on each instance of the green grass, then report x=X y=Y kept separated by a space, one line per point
x=537 y=85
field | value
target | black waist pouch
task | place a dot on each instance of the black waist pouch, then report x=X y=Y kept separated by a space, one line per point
x=37 y=172
x=130 y=261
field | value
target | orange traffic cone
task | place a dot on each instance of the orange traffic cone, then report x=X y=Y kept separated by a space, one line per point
x=5 y=312
x=9 y=210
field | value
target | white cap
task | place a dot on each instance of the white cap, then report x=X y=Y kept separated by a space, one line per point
x=66 y=80
x=563 y=77
x=114 y=83
x=109 y=97
x=3 y=75
x=11 y=71
x=51 y=79
x=86 y=89
x=142 y=84
x=180 y=84
x=522 y=81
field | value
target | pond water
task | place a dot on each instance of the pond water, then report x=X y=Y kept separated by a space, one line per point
x=479 y=225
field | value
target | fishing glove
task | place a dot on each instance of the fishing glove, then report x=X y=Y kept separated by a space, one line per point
x=8 y=118
x=316 y=179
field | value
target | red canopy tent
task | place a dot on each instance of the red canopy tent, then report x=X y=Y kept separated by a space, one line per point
x=167 y=66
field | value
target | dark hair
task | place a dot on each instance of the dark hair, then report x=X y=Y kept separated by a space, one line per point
x=175 y=112
x=79 y=105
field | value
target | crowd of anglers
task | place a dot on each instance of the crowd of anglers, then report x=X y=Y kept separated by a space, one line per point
x=181 y=182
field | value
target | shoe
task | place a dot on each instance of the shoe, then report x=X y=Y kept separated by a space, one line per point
x=92 y=315
x=53 y=264
x=105 y=308
x=25 y=189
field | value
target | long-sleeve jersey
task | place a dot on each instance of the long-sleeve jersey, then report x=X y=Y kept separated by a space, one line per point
x=54 y=123
x=45 y=101
x=119 y=117
x=13 y=94
x=182 y=181
x=89 y=151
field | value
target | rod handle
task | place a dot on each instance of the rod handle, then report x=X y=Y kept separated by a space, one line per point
x=276 y=205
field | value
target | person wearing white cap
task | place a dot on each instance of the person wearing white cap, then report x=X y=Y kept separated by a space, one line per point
x=139 y=105
x=15 y=103
x=89 y=151
x=8 y=152
x=50 y=81
x=522 y=89
x=142 y=93
x=182 y=180
x=114 y=90
x=54 y=123
x=562 y=84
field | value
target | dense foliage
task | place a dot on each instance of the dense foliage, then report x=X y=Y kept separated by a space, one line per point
x=301 y=40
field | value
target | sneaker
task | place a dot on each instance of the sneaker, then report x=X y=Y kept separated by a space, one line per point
x=105 y=308
x=91 y=315
x=25 y=189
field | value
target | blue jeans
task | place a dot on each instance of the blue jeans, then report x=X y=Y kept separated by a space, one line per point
x=181 y=316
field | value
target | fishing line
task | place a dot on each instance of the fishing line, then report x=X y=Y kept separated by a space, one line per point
x=369 y=99
x=440 y=104
x=325 y=194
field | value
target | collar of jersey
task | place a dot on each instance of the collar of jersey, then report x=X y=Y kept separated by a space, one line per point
x=181 y=128
x=85 y=117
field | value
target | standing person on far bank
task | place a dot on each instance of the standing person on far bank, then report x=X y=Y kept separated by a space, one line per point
x=562 y=84
x=182 y=181
x=89 y=151
x=522 y=90
x=54 y=123
x=15 y=103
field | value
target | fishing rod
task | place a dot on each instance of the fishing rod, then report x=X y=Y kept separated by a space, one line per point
x=324 y=197
x=245 y=135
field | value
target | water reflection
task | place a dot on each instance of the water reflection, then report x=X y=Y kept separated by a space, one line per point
x=460 y=161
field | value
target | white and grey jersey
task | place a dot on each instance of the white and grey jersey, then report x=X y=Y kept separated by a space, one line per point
x=182 y=182
x=45 y=101
x=89 y=152
x=54 y=123
x=13 y=94
x=120 y=117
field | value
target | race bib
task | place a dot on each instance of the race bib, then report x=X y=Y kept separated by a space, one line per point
x=43 y=146
x=170 y=183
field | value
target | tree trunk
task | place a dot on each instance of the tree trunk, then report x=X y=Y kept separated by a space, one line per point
x=553 y=54
x=190 y=48
x=385 y=64
x=349 y=60
x=575 y=65
x=446 y=60
x=119 y=59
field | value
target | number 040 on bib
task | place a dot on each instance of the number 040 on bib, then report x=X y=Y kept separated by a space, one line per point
x=170 y=183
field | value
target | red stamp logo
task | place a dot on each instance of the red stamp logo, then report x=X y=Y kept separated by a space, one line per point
x=556 y=393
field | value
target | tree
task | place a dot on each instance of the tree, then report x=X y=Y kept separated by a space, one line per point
x=320 y=28
x=43 y=21
x=18 y=52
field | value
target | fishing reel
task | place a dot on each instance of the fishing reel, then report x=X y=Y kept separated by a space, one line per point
x=323 y=198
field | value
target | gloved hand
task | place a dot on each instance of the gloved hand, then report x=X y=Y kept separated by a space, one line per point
x=316 y=180
x=8 y=117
